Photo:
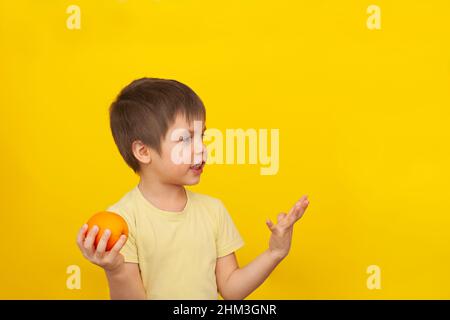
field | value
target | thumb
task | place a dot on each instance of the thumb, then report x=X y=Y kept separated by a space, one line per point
x=269 y=224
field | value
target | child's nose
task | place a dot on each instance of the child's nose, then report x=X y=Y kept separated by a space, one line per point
x=199 y=150
x=205 y=153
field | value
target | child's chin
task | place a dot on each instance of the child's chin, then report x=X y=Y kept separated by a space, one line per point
x=192 y=181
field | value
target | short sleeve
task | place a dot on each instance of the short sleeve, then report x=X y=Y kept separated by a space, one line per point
x=129 y=250
x=228 y=238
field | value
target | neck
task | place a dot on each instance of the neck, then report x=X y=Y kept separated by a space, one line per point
x=165 y=196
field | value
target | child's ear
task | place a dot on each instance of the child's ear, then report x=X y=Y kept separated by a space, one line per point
x=141 y=151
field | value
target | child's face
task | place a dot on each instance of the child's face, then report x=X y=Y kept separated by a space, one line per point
x=181 y=149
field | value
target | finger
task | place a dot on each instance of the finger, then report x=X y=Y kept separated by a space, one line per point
x=119 y=244
x=101 y=246
x=302 y=207
x=299 y=209
x=89 y=242
x=270 y=224
x=81 y=235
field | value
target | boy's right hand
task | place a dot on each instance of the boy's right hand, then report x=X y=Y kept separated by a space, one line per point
x=109 y=260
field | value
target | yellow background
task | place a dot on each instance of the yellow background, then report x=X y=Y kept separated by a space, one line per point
x=363 y=118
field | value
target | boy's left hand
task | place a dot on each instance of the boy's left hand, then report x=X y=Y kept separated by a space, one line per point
x=280 y=239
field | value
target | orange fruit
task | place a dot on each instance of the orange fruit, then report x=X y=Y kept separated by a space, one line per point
x=108 y=220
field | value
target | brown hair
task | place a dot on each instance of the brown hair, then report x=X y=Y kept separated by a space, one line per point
x=145 y=109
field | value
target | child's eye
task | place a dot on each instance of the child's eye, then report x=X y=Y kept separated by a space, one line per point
x=188 y=139
x=185 y=139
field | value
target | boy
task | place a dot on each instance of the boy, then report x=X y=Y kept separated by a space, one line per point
x=181 y=244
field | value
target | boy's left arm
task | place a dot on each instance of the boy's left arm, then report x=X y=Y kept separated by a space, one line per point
x=236 y=283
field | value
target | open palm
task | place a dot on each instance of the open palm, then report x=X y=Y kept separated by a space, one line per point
x=281 y=237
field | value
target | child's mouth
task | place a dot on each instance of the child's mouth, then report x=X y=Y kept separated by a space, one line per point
x=198 y=167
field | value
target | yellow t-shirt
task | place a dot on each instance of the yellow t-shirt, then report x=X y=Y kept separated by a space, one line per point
x=177 y=251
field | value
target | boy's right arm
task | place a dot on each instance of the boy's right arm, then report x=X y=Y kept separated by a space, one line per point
x=124 y=278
